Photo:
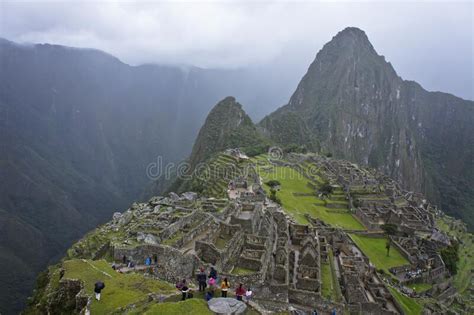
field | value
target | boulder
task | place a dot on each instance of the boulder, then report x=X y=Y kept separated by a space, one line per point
x=126 y=218
x=151 y=240
x=140 y=236
x=157 y=209
x=116 y=217
x=189 y=195
x=226 y=306
x=174 y=196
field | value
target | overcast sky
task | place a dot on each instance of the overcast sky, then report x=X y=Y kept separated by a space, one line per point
x=430 y=42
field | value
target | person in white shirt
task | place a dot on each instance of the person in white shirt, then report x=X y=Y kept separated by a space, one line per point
x=248 y=295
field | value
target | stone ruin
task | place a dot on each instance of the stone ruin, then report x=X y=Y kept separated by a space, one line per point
x=251 y=241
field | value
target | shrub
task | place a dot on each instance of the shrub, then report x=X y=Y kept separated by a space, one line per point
x=450 y=257
x=326 y=189
x=273 y=183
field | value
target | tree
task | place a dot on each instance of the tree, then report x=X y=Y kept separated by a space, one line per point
x=274 y=197
x=387 y=246
x=326 y=189
x=450 y=257
x=273 y=183
x=295 y=148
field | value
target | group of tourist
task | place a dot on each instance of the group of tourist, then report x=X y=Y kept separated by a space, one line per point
x=209 y=283
x=409 y=274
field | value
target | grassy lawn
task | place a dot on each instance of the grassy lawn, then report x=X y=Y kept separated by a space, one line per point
x=221 y=241
x=293 y=182
x=242 y=271
x=327 y=286
x=120 y=289
x=374 y=249
x=420 y=287
x=409 y=305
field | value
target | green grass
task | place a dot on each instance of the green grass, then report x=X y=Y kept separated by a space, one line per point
x=191 y=306
x=242 y=271
x=120 y=289
x=170 y=241
x=221 y=242
x=420 y=287
x=327 y=286
x=374 y=249
x=297 y=206
x=409 y=305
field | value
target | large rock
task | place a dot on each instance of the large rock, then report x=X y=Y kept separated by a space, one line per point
x=226 y=306
x=189 y=195
x=125 y=218
x=174 y=196
x=151 y=240
x=140 y=236
x=116 y=217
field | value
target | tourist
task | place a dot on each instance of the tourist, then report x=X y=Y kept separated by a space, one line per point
x=240 y=291
x=99 y=285
x=148 y=261
x=213 y=273
x=212 y=283
x=248 y=295
x=209 y=294
x=225 y=285
x=114 y=267
x=201 y=279
x=184 y=291
x=180 y=284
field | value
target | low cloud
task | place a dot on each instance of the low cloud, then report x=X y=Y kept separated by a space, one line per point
x=428 y=42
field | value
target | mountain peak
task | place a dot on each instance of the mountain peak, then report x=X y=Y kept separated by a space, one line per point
x=351 y=39
x=227 y=102
x=226 y=126
x=348 y=62
x=353 y=32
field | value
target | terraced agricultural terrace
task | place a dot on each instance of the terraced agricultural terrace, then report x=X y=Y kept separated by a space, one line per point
x=318 y=243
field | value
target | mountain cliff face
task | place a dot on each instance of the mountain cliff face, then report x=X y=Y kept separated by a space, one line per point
x=227 y=126
x=352 y=103
x=77 y=130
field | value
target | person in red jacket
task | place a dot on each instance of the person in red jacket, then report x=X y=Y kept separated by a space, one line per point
x=240 y=292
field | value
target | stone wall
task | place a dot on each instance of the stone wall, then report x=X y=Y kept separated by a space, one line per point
x=207 y=252
x=208 y=225
x=172 y=264
x=249 y=263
